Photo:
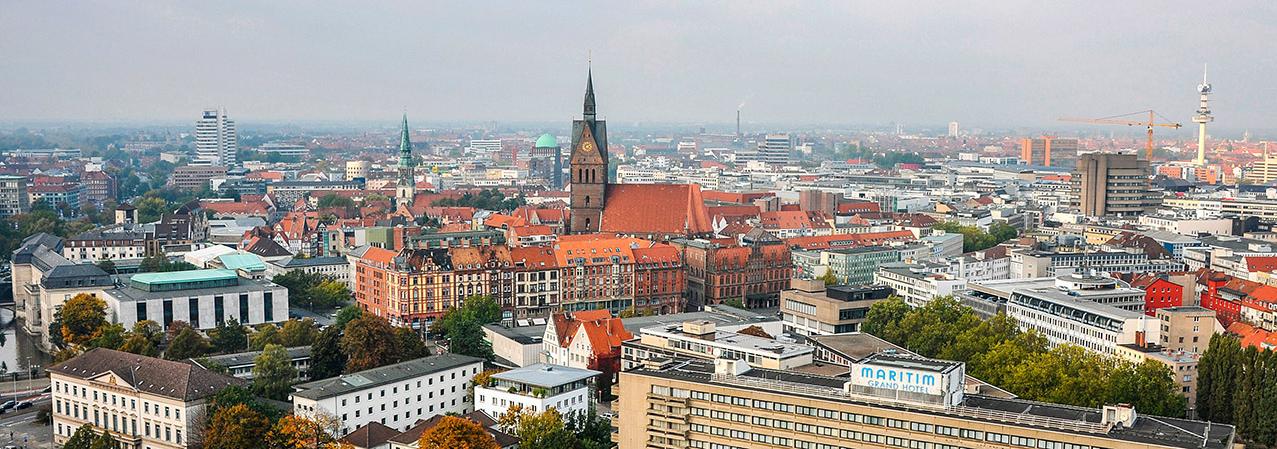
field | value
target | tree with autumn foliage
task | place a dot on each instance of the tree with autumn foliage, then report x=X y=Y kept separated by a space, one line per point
x=369 y=342
x=82 y=317
x=236 y=427
x=300 y=432
x=456 y=433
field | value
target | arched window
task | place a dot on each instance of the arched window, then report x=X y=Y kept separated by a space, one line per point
x=587 y=223
x=587 y=201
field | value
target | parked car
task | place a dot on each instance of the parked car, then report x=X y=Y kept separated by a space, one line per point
x=22 y=405
x=8 y=405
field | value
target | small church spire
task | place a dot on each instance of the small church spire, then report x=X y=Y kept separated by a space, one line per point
x=405 y=145
x=589 y=93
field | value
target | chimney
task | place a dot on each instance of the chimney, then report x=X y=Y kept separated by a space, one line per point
x=1140 y=339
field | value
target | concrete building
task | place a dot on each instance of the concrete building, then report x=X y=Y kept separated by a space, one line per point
x=13 y=195
x=889 y=400
x=537 y=388
x=335 y=267
x=202 y=298
x=1113 y=184
x=856 y=266
x=513 y=349
x=196 y=178
x=1048 y=151
x=143 y=402
x=1084 y=311
x=918 y=283
x=774 y=149
x=396 y=396
x=215 y=139
x=811 y=308
x=357 y=170
x=1034 y=263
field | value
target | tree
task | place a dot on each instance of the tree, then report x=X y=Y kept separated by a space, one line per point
x=81 y=439
x=544 y=430
x=369 y=342
x=265 y=334
x=509 y=421
x=161 y=264
x=236 y=427
x=409 y=345
x=457 y=433
x=149 y=330
x=139 y=344
x=106 y=265
x=346 y=314
x=884 y=318
x=188 y=344
x=329 y=293
x=82 y=316
x=110 y=336
x=829 y=278
x=591 y=430
x=463 y=326
x=300 y=432
x=326 y=358
x=238 y=395
x=273 y=373
x=335 y=200
x=298 y=333
x=229 y=336
x=976 y=239
x=104 y=440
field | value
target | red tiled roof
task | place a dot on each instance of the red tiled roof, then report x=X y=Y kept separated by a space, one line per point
x=858 y=207
x=533 y=258
x=380 y=255
x=1261 y=263
x=232 y=207
x=735 y=197
x=733 y=212
x=655 y=209
x=786 y=219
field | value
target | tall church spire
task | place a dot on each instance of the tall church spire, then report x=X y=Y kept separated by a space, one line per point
x=589 y=94
x=405 y=145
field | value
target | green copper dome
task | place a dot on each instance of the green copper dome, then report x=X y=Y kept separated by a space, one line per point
x=547 y=141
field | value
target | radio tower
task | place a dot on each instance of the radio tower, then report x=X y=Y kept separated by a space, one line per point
x=1202 y=118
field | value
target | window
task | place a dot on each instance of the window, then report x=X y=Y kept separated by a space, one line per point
x=268 y=306
x=141 y=310
x=193 y=309
x=168 y=312
x=219 y=309
x=243 y=308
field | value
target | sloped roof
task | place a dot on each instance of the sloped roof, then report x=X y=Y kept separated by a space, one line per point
x=177 y=380
x=1263 y=264
x=655 y=209
x=413 y=434
x=370 y=435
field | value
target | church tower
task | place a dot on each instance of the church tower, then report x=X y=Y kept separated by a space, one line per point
x=588 y=166
x=407 y=185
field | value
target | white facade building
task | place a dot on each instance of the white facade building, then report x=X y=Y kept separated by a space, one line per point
x=1064 y=317
x=203 y=298
x=396 y=396
x=918 y=284
x=215 y=140
x=537 y=388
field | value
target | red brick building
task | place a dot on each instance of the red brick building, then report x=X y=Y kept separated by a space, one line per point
x=753 y=270
x=1159 y=292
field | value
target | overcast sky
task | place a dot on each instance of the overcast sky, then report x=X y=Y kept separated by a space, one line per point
x=993 y=64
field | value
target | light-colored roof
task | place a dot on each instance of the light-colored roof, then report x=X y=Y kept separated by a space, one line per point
x=546 y=376
x=174 y=277
x=246 y=262
x=547 y=140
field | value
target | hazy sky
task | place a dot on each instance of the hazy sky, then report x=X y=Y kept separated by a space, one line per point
x=993 y=64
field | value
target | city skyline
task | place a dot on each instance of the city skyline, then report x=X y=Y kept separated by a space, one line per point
x=656 y=63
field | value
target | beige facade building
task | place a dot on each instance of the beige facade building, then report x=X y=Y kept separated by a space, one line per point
x=1114 y=184
x=809 y=308
x=889 y=400
x=1186 y=333
x=144 y=402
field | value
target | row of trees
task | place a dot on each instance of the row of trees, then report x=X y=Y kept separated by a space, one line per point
x=235 y=419
x=1239 y=386
x=996 y=351
x=976 y=239
x=544 y=430
x=360 y=341
x=490 y=199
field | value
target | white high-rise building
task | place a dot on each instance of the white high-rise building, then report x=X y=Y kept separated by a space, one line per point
x=215 y=141
x=775 y=148
x=953 y=129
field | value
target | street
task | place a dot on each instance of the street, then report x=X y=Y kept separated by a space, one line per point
x=20 y=429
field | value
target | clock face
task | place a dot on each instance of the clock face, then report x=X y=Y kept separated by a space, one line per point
x=588 y=146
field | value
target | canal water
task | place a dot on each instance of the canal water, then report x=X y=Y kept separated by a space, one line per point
x=17 y=349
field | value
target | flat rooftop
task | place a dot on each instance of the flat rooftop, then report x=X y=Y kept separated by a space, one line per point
x=376 y=377
x=177 y=277
x=1153 y=430
x=735 y=341
x=547 y=376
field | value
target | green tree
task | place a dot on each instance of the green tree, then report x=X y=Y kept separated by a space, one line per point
x=346 y=314
x=829 y=278
x=884 y=317
x=298 y=333
x=463 y=326
x=238 y=395
x=104 y=440
x=409 y=345
x=544 y=430
x=265 y=334
x=236 y=427
x=139 y=344
x=326 y=358
x=329 y=293
x=591 y=430
x=229 y=336
x=81 y=439
x=149 y=330
x=976 y=239
x=187 y=344
x=335 y=200
x=273 y=373
x=106 y=265
x=110 y=336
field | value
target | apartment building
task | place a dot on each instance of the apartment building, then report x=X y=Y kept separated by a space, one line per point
x=1085 y=313
x=889 y=400
x=106 y=244
x=396 y=396
x=811 y=308
x=143 y=402
x=202 y=298
x=537 y=388
x=918 y=283
x=14 y=199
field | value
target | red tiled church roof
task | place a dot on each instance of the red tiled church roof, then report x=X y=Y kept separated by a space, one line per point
x=655 y=209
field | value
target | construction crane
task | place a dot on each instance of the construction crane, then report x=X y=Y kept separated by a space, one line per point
x=1125 y=119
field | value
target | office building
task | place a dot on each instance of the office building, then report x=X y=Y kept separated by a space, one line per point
x=215 y=140
x=196 y=178
x=202 y=298
x=953 y=129
x=889 y=400
x=774 y=149
x=1113 y=184
x=335 y=267
x=143 y=402
x=1087 y=311
x=918 y=283
x=537 y=388
x=1048 y=151
x=397 y=396
x=14 y=199
x=856 y=266
x=1035 y=263
x=285 y=150
x=65 y=198
x=811 y=308
x=357 y=170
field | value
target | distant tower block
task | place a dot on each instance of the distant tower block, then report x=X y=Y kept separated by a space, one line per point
x=1202 y=118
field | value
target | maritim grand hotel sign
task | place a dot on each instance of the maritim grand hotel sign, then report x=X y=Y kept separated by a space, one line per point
x=907 y=378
